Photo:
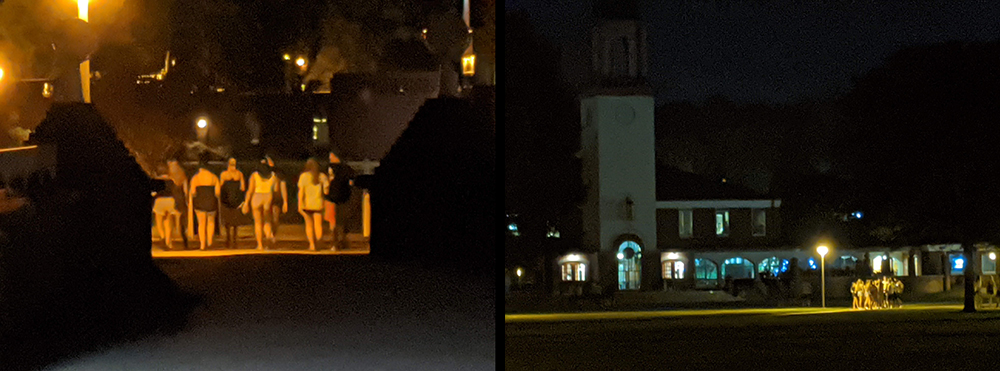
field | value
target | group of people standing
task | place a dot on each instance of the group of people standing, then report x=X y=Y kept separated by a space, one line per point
x=264 y=195
x=877 y=293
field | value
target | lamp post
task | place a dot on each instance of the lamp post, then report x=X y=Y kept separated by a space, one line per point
x=822 y=250
x=83 y=14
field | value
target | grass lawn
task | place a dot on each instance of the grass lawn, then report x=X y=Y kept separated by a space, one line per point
x=914 y=337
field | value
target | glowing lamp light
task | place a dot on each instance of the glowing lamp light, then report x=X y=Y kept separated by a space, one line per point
x=82 y=7
x=621 y=256
x=301 y=62
x=1 y=74
x=519 y=272
x=822 y=250
x=673 y=255
x=993 y=256
x=469 y=65
x=286 y=57
x=47 y=90
x=959 y=263
x=202 y=123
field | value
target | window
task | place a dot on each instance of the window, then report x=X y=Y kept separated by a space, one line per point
x=574 y=271
x=738 y=268
x=990 y=263
x=685 y=223
x=722 y=223
x=759 y=222
x=705 y=270
x=957 y=263
x=673 y=270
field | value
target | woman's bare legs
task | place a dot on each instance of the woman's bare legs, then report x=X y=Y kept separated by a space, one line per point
x=168 y=230
x=258 y=227
x=275 y=215
x=159 y=226
x=210 y=236
x=317 y=219
x=202 y=227
x=310 y=235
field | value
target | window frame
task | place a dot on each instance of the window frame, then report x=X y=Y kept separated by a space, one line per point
x=680 y=223
x=753 y=222
x=727 y=228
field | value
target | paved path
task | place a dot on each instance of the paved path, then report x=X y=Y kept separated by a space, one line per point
x=332 y=312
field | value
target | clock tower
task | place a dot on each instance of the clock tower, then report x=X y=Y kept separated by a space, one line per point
x=618 y=153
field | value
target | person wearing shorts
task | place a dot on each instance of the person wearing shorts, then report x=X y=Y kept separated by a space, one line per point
x=313 y=185
x=260 y=193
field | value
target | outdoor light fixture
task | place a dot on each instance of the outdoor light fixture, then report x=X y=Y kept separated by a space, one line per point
x=822 y=250
x=202 y=123
x=673 y=255
x=519 y=272
x=621 y=256
x=1 y=74
x=287 y=57
x=993 y=256
x=301 y=62
x=47 y=90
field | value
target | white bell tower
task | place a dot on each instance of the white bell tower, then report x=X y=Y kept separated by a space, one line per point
x=618 y=154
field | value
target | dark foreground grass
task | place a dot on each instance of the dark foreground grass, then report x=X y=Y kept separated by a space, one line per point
x=926 y=338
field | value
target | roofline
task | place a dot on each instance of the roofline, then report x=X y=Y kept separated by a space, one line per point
x=719 y=204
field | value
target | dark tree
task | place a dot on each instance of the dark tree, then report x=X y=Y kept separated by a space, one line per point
x=542 y=180
x=923 y=144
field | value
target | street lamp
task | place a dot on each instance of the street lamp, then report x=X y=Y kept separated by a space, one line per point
x=202 y=123
x=83 y=14
x=822 y=250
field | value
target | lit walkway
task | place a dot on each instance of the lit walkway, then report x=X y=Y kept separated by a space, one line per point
x=291 y=240
x=641 y=315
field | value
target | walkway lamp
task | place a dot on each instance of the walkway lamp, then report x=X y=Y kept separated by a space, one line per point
x=822 y=250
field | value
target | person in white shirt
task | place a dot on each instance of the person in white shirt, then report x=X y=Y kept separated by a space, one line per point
x=313 y=185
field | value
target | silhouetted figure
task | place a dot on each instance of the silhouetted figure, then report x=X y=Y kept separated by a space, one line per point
x=204 y=201
x=180 y=191
x=232 y=195
x=338 y=193
x=279 y=203
x=165 y=208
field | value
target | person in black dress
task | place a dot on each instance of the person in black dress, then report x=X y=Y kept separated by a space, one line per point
x=233 y=189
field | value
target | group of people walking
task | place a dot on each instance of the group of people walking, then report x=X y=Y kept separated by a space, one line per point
x=264 y=195
x=877 y=293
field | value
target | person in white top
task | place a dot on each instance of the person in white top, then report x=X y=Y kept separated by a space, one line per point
x=259 y=196
x=312 y=186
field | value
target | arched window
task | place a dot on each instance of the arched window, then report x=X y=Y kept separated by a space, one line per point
x=737 y=268
x=629 y=265
x=706 y=269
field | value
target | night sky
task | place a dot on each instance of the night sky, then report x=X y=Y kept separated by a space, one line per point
x=765 y=51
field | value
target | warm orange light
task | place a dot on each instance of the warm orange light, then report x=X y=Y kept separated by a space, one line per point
x=47 y=90
x=82 y=6
x=287 y=57
x=469 y=65
x=1 y=74
x=301 y=62
x=202 y=123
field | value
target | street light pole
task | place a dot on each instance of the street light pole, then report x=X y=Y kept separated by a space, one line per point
x=822 y=250
x=83 y=14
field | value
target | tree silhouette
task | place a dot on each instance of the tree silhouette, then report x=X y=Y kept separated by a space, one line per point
x=923 y=143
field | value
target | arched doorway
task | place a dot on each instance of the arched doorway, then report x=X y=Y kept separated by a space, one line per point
x=629 y=258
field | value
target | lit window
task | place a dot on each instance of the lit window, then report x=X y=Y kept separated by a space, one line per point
x=722 y=223
x=685 y=223
x=759 y=222
x=513 y=230
x=553 y=232
x=705 y=270
x=990 y=265
x=773 y=265
x=574 y=271
x=673 y=270
x=738 y=268
x=957 y=263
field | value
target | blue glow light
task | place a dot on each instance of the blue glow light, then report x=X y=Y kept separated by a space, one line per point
x=812 y=264
x=858 y=215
